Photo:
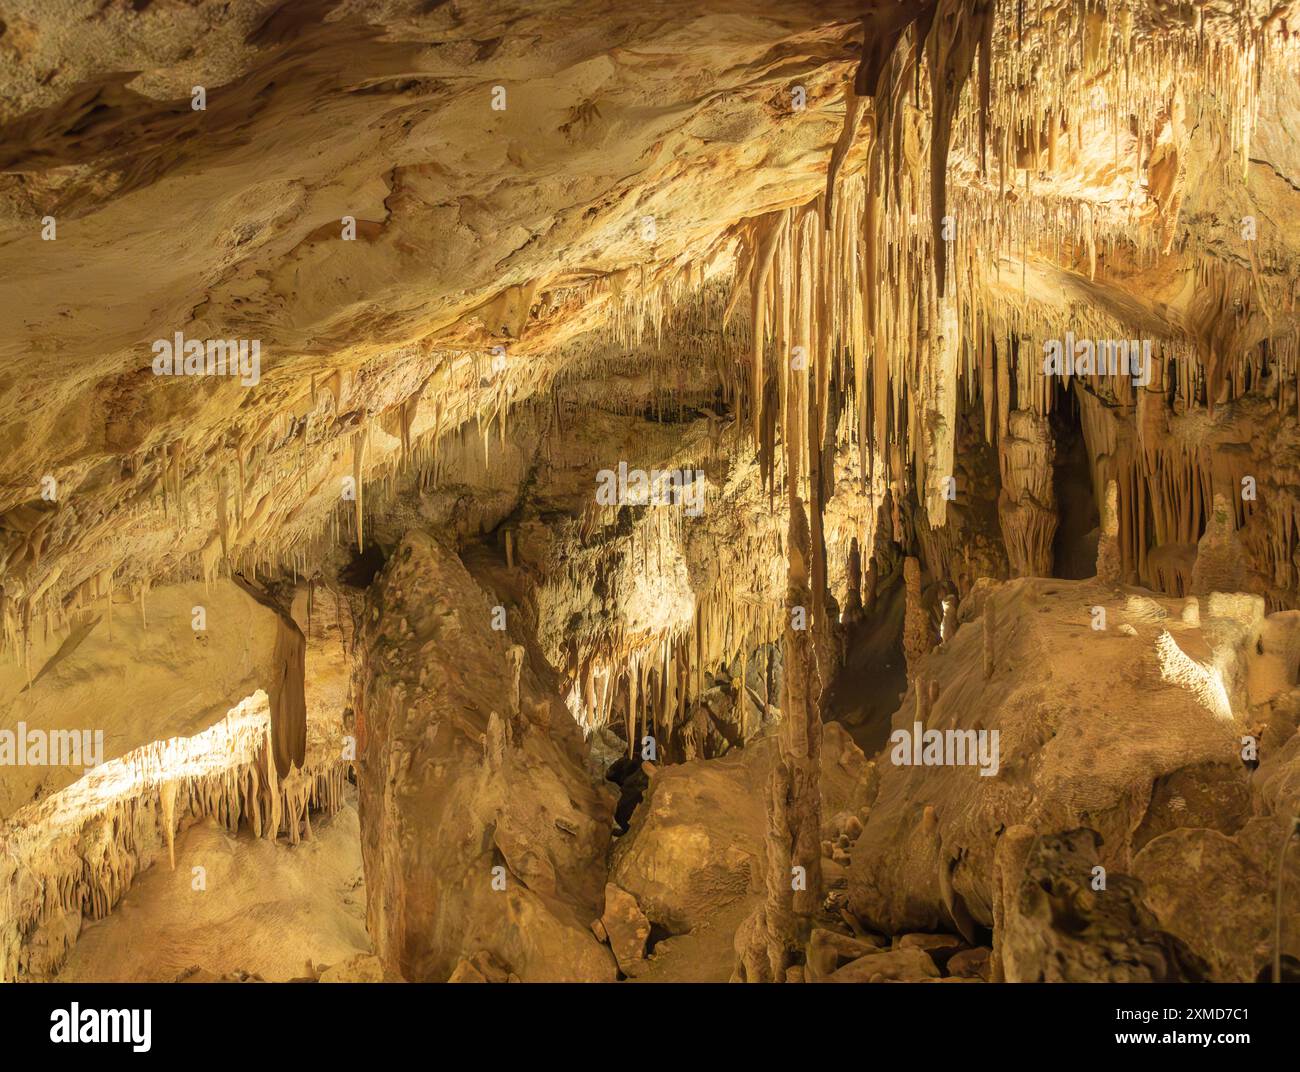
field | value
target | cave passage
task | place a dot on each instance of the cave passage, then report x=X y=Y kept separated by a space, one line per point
x=800 y=491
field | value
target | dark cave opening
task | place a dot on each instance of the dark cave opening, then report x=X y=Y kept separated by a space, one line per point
x=632 y=782
x=363 y=567
x=1074 y=547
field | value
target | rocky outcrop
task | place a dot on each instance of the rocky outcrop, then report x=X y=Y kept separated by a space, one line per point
x=1208 y=890
x=363 y=968
x=1065 y=921
x=696 y=842
x=481 y=831
x=888 y=966
x=626 y=927
x=1071 y=748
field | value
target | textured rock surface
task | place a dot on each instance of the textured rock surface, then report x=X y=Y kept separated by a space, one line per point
x=363 y=968
x=696 y=842
x=457 y=781
x=627 y=928
x=1058 y=928
x=1218 y=894
x=1089 y=722
x=888 y=966
x=867 y=259
x=970 y=963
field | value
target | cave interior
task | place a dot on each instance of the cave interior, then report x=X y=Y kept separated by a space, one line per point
x=684 y=492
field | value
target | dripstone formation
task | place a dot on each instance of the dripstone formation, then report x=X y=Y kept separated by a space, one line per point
x=789 y=492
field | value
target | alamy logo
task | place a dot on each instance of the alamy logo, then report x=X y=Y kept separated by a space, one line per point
x=179 y=356
x=658 y=487
x=76 y=1024
x=51 y=748
x=919 y=747
x=1100 y=357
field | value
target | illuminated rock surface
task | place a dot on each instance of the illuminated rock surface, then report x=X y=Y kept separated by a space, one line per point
x=656 y=410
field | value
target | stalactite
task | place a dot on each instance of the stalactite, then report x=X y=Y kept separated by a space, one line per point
x=360 y=440
x=951 y=42
x=167 y=796
x=287 y=689
x=71 y=856
x=853 y=608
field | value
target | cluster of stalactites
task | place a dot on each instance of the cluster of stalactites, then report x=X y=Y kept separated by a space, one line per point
x=897 y=289
x=267 y=499
x=672 y=346
x=843 y=321
x=1062 y=69
x=652 y=686
x=650 y=682
x=73 y=855
x=1172 y=488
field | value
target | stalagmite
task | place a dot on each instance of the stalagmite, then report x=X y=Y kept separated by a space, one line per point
x=1109 y=566
x=918 y=636
x=948 y=625
x=1009 y=858
x=625 y=383
x=990 y=632
x=1027 y=502
x=1220 y=561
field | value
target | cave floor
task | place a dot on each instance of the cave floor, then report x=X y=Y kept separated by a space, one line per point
x=273 y=911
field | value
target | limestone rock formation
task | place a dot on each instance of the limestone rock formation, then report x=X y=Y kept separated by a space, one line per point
x=1068 y=749
x=1027 y=502
x=795 y=490
x=1058 y=928
x=696 y=841
x=888 y=966
x=443 y=736
x=626 y=927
